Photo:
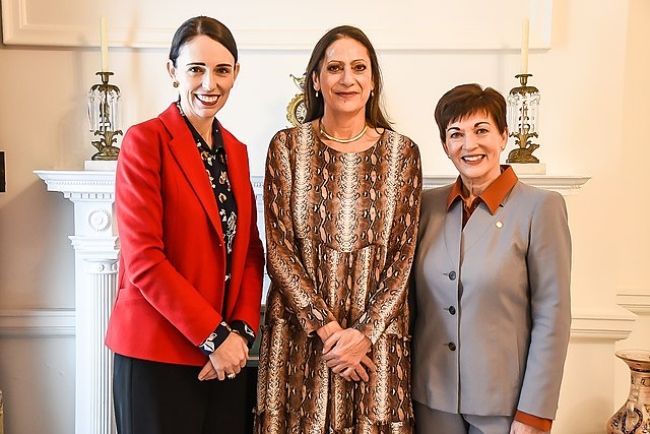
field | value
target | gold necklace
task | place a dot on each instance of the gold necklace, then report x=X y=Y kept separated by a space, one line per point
x=336 y=139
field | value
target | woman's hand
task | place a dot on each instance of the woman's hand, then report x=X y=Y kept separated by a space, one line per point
x=328 y=330
x=229 y=358
x=208 y=372
x=345 y=353
x=357 y=372
x=520 y=428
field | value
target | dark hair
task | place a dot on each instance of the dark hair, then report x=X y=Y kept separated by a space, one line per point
x=466 y=100
x=202 y=25
x=315 y=106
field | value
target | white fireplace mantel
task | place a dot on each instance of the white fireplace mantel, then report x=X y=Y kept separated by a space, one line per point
x=96 y=247
x=562 y=184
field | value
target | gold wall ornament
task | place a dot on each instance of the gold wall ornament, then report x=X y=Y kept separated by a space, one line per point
x=296 y=109
x=103 y=115
x=523 y=109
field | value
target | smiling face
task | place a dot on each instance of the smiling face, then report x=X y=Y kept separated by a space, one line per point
x=474 y=144
x=345 y=77
x=205 y=71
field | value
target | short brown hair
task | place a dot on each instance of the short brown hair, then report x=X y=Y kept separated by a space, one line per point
x=375 y=115
x=466 y=100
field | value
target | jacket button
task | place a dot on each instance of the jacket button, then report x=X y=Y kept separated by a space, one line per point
x=452 y=346
x=452 y=275
x=452 y=310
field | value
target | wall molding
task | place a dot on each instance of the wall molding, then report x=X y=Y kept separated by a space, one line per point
x=37 y=322
x=637 y=302
x=393 y=26
x=609 y=325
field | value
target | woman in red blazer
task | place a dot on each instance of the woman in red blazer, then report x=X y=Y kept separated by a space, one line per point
x=191 y=262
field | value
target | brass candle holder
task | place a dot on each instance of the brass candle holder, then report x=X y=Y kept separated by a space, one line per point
x=103 y=115
x=523 y=109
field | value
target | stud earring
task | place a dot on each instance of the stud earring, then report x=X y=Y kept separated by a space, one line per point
x=372 y=94
x=316 y=94
x=175 y=83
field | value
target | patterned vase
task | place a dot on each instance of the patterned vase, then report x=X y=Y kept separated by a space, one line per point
x=634 y=416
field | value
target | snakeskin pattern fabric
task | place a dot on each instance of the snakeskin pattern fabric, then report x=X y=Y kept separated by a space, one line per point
x=340 y=232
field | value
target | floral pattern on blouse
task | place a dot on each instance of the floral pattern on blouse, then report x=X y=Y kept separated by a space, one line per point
x=215 y=163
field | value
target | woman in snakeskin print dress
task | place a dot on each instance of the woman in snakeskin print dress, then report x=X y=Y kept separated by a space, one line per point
x=342 y=197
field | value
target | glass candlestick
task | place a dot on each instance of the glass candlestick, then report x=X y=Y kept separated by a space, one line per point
x=103 y=115
x=523 y=110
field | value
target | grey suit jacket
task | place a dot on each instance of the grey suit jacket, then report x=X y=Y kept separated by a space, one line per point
x=492 y=304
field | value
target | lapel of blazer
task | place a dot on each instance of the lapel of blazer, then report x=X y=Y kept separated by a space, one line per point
x=453 y=227
x=481 y=221
x=477 y=226
x=184 y=151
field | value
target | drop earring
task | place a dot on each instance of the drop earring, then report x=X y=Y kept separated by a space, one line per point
x=175 y=83
x=316 y=94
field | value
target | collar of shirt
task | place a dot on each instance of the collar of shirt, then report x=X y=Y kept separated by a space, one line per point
x=217 y=140
x=493 y=195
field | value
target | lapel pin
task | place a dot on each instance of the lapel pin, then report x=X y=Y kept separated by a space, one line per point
x=499 y=224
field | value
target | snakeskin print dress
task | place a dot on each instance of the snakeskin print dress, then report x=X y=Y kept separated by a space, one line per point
x=340 y=232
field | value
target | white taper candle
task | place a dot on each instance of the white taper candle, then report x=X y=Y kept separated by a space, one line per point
x=524 y=46
x=104 y=43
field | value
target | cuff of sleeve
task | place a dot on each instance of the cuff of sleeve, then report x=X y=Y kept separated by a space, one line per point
x=365 y=326
x=215 y=339
x=311 y=323
x=243 y=330
x=534 y=421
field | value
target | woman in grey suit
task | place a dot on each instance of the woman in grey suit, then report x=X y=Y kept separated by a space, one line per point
x=492 y=276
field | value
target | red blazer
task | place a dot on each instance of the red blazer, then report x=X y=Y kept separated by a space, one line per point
x=172 y=265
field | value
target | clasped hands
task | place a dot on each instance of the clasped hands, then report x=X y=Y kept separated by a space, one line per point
x=345 y=352
x=228 y=359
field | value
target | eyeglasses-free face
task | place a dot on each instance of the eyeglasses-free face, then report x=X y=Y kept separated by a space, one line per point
x=474 y=144
x=345 y=77
x=205 y=71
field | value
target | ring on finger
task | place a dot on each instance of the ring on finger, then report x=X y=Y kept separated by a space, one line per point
x=231 y=375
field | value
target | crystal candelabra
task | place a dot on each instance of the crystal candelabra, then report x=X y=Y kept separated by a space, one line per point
x=523 y=109
x=103 y=100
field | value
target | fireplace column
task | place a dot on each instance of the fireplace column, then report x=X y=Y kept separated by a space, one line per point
x=96 y=248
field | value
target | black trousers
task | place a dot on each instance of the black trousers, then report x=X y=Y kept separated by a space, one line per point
x=161 y=398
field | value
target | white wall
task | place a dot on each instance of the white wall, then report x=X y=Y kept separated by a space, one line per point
x=633 y=249
x=595 y=106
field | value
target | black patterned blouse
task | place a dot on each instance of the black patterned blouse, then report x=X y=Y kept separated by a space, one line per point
x=214 y=160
